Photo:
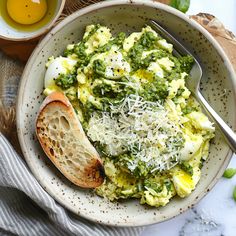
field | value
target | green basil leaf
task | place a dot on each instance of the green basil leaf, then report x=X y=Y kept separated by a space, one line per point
x=173 y=3
x=182 y=5
x=229 y=173
x=234 y=194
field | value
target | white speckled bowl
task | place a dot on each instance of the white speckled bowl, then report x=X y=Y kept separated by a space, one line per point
x=9 y=33
x=125 y=16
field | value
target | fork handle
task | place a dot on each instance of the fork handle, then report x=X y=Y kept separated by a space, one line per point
x=226 y=131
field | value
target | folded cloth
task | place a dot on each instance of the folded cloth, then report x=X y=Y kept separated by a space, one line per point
x=27 y=210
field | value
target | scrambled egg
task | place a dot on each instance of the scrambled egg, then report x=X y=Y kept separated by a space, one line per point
x=119 y=84
x=55 y=67
x=99 y=38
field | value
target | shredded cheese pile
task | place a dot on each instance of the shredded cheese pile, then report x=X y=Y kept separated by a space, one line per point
x=141 y=128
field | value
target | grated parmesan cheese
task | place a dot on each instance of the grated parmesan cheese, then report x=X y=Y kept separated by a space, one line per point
x=141 y=128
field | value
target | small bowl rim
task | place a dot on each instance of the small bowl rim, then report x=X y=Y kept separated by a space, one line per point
x=41 y=31
x=73 y=17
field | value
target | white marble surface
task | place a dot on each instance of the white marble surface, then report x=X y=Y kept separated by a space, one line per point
x=215 y=215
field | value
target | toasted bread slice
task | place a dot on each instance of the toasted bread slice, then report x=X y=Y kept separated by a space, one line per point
x=63 y=140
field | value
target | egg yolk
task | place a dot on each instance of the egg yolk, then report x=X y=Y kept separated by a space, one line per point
x=26 y=12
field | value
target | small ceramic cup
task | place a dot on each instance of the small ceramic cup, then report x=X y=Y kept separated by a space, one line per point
x=21 y=33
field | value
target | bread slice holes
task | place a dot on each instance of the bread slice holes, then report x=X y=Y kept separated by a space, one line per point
x=65 y=123
x=77 y=161
x=60 y=151
x=69 y=162
x=53 y=134
x=88 y=156
x=53 y=142
x=51 y=151
x=62 y=135
x=63 y=144
x=56 y=120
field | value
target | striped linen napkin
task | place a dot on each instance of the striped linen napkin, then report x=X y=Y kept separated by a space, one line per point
x=27 y=210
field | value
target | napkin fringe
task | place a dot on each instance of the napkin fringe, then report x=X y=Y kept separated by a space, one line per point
x=7 y=120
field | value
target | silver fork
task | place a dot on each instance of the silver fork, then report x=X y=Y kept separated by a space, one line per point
x=193 y=84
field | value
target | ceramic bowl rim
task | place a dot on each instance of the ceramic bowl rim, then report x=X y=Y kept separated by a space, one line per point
x=70 y=19
x=42 y=29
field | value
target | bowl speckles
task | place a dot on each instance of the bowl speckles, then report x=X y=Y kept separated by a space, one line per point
x=218 y=86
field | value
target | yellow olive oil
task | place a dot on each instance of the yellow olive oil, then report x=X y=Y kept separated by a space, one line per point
x=50 y=14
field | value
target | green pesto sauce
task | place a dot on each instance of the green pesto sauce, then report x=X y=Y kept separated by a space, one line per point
x=66 y=81
x=157 y=90
x=99 y=67
x=134 y=176
x=80 y=48
x=185 y=166
x=142 y=170
x=105 y=90
x=146 y=42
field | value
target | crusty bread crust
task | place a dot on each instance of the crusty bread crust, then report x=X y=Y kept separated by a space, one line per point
x=65 y=143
